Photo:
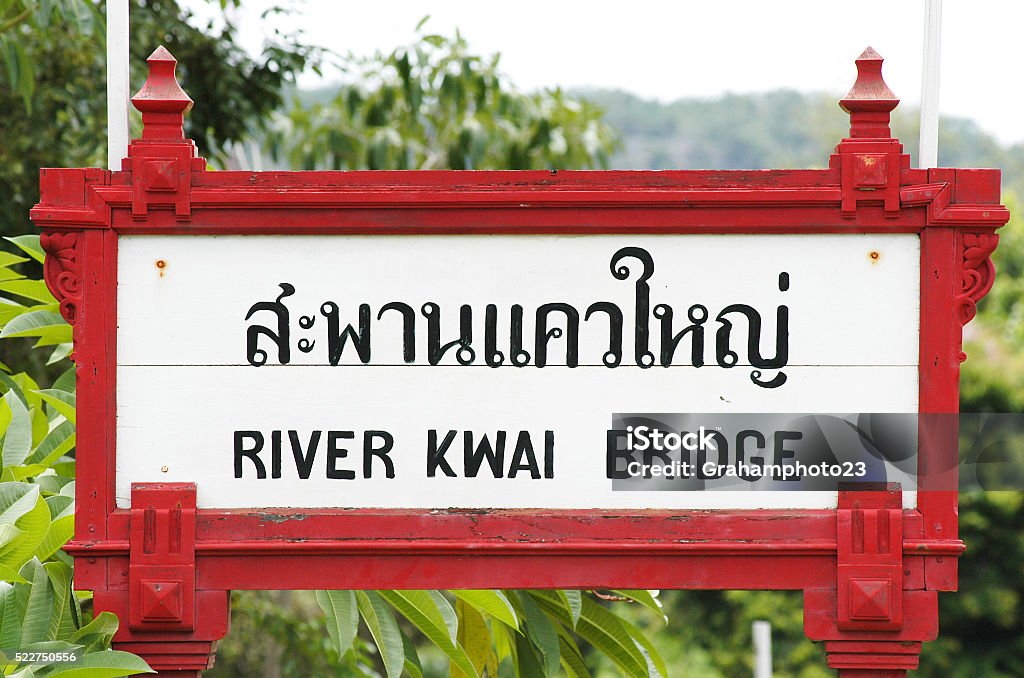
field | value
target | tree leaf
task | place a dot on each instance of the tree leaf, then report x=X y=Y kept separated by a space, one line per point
x=60 y=351
x=53 y=336
x=16 y=499
x=66 y=381
x=62 y=525
x=504 y=641
x=97 y=634
x=62 y=401
x=39 y=323
x=22 y=506
x=29 y=244
x=18 y=436
x=35 y=290
x=423 y=612
x=601 y=629
x=12 y=610
x=36 y=622
x=573 y=601
x=10 y=310
x=9 y=575
x=605 y=631
x=475 y=639
x=27 y=385
x=106 y=664
x=384 y=629
x=14 y=386
x=655 y=661
x=541 y=633
x=9 y=259
x=60 y=609
x=20 y=473
x=493 y=603
x=572 y=658
x=342 y=613
x=412 y=658
x=40 y=425
x=528 y=664
x=58 y=442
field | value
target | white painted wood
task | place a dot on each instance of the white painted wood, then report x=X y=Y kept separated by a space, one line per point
x=184 y=385
x=928 y=155
x=117 y=82
x=184 y=418
x=846 y=308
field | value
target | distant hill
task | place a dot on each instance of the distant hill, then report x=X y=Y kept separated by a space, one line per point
x=781 y=129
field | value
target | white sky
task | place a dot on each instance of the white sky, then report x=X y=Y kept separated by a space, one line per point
x=700 y=48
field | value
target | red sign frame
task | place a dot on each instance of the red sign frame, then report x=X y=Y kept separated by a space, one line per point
x=870 y=570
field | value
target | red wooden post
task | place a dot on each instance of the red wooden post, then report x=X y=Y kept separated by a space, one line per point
x=874 y=622
x=863 y=621
x=870 y=569
x=165 y=619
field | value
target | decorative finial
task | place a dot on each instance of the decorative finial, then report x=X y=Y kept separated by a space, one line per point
x=161 y=100
x=870 y=100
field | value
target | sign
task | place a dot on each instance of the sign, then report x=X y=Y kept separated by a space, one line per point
x=483 y=371
x=686 y=379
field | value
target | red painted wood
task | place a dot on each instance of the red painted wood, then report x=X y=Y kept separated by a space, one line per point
x=868 y=188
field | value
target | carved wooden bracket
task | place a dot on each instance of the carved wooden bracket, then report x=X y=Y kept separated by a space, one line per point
x=63 y=272
x=977 y=274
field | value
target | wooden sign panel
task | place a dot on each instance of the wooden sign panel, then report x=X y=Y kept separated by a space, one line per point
x=356 y=371
x=441 y=379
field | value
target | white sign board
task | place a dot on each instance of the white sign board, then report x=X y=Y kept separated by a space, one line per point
x=486 y=371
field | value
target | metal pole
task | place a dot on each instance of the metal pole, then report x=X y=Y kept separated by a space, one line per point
x=762 y=631
x=928 y=147
x=117 y=82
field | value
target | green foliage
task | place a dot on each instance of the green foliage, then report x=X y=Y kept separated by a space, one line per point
x=981 y=627
x=40 y=613
x=52 y=76
x=435 y=105
x=1003 y=308
x=713 y=633
x=459 y=633
x=281 y=633
x=20 y=17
